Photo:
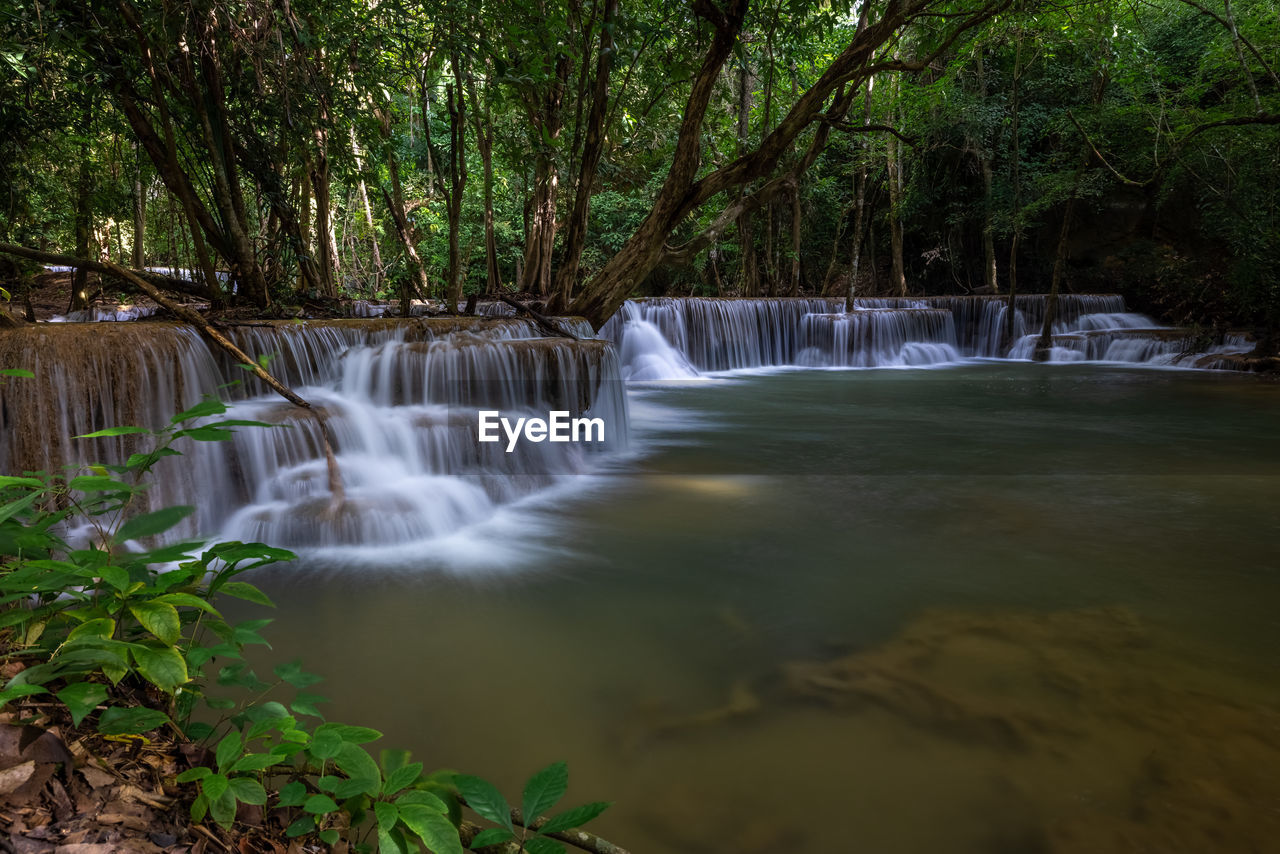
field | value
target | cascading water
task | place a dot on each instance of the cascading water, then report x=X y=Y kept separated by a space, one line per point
x=401 y=402
x=665 y=337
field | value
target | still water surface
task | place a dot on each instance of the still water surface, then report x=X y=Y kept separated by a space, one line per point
x=991 y=608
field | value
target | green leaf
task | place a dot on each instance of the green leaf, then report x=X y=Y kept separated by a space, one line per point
x=355 y=786
x=198 y=730
x=330 y=782
x=15 y=691
x=417 y=797
x=292 y=673
x=101 y=627
x=305 y=704
x=223 y=809
x=256 y=762
x=491 y=836
x=246 y=632
x=319 y=805
x=356 y=762
x=146 y=461
x=208 y=406
x=193 y=774
x=81 y=698
x=116 y=576
x=17 y=372
x=229 y=749
x=245 y=590
x=159 y=618
x=328 y=837
x=269 y=711
x=150 y=524
x=306 y=824
x=134 y=721
x=15 y=507
x=164 y=668
x=248 y=790
x=542 y=845
x=485 y=799
x=7 y=481
x=199 y=808
x=434 y=829
x=180 y=600
x=293 y=794
x=401 y=777
x=325 y=744
x=387 y=814
x=113 y=431
x=390 y=841
x=356 y=734
x=85 y=483
x=544 y=789
x=214 y=785
x=575 y=817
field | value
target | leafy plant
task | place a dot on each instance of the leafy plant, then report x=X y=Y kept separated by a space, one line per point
x=543 y=791
x=123 y=636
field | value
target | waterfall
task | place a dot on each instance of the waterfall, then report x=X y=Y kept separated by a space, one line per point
x=666 y=338
x=401 y=401
x=878 y=337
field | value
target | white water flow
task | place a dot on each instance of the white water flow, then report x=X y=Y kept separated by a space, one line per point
x=401 y=401
x=402 y=398
x=713 y=335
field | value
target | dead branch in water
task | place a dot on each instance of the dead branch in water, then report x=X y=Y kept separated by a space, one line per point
x=544 y=322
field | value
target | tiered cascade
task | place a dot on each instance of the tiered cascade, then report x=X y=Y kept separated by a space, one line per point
x=669 y=338
x=401 y=402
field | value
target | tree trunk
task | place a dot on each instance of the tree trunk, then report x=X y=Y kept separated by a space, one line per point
x=750 y=272
x=860 y=220
x=84 y=212
x=1015 y=157
x=795 y=239
x=139 y=213
x=1044 y=345
x=898 y=280
x=404 y=230
x=483 y=127
x=304 y=222
x=327 y=260
x=593 y=146
x=990 y=281
x=458 y=184
x=545 y=111
x=368 y=211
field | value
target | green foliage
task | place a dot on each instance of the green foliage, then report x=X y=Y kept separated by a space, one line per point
x=125 y=637
x=542 y=792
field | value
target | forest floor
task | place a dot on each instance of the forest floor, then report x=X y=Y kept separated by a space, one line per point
x=69 y=790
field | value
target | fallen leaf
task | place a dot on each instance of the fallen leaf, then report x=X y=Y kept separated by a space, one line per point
x=96 y=777
x=13 y=778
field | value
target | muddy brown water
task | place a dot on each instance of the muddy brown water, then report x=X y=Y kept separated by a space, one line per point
x=995 y=608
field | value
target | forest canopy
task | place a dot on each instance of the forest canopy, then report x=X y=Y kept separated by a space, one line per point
x=585 y=151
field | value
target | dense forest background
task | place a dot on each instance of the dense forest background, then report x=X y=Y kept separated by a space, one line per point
x=584 y=150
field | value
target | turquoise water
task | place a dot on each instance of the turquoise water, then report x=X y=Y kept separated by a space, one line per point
x=914 y=527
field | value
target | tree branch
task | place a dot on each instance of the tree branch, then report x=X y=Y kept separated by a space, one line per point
x=1098 y=154
x=577 y=838
x=847 y=127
